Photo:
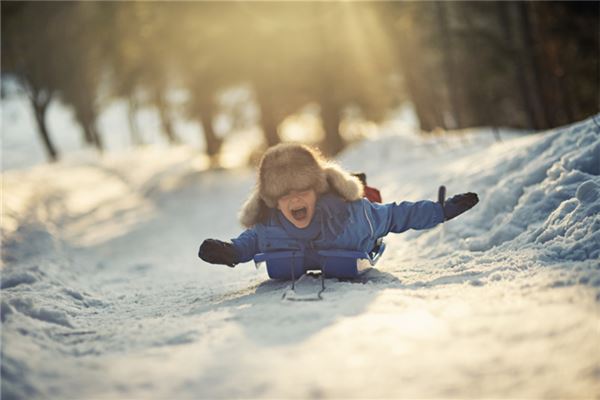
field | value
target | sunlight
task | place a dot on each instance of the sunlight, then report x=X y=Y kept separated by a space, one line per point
x=371 y=48
x=304 y=126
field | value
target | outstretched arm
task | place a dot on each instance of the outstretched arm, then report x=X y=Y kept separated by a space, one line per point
x=423 y=214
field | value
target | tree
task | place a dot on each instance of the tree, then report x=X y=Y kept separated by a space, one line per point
x=125 y=61
x=142 y=49
x=205 y=63
x=276 y=61
x=82 y=59
x=408 y=26
x=29 y=36
x=503 y=63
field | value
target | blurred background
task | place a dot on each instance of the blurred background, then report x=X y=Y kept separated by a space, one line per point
x=325 y=73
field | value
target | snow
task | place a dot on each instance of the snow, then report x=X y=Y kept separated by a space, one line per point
x=103 y=295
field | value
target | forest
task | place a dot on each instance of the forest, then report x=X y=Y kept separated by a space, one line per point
x=526 y=65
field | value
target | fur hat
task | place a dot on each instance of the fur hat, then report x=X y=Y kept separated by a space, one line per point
x=291 y=166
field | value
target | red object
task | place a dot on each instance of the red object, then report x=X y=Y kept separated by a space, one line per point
x=372 y=194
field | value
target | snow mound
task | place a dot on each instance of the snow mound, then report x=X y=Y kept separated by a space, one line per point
x=536 y=192
x=547 y=198
x=539 y=202
x=539 y=190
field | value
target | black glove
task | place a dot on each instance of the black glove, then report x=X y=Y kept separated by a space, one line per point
x=458 y=204
x=218 y=252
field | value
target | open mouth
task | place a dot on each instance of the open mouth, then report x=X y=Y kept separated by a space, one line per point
x=300 y=213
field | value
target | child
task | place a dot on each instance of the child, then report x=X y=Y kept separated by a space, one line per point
x=304 y=202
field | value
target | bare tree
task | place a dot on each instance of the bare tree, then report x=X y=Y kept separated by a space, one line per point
x=28 y=39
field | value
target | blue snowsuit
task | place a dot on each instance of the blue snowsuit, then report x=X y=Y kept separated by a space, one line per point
x=337 y=224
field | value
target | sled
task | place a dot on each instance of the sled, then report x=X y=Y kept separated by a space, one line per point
x=334 y=263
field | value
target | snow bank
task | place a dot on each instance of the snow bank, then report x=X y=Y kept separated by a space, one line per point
x=539 y=190
x=547 y=198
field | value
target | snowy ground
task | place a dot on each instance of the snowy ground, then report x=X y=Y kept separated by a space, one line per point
x=103 y=295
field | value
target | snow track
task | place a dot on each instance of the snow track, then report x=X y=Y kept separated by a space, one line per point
x=103 y=296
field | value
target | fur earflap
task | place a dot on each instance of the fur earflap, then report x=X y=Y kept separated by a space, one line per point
x=347 y=186
x=253 y=210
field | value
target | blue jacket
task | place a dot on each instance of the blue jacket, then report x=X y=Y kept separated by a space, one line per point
x=337 y=224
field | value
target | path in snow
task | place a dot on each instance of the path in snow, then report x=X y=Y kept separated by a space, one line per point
x=103 y=295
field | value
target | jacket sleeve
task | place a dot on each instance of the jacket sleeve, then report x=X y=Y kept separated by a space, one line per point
x=246 y=245
x=406 y=215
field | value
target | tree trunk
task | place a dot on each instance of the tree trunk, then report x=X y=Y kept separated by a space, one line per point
x=548 y=57
x=530 y=53
x=569 y=109
x=270 y=126
x=449 y=70
x=426 y=108
x=213 y=143
x=165 y=118
x=268 y=118
x=520 y=84
x=330 y=116
x=86 y=116
x=92 y=132
x=419 y=90
x=134 y=130
x=40 y=114
x=88 y=136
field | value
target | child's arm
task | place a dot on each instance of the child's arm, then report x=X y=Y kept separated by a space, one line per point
x=241 y=249
x=246 y=245
x=423 y=214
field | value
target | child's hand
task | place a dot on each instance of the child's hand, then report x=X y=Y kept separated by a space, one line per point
x=218 y=252
x=458 y=204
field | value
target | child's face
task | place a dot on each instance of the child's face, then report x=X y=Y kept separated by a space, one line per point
x=298 y=206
